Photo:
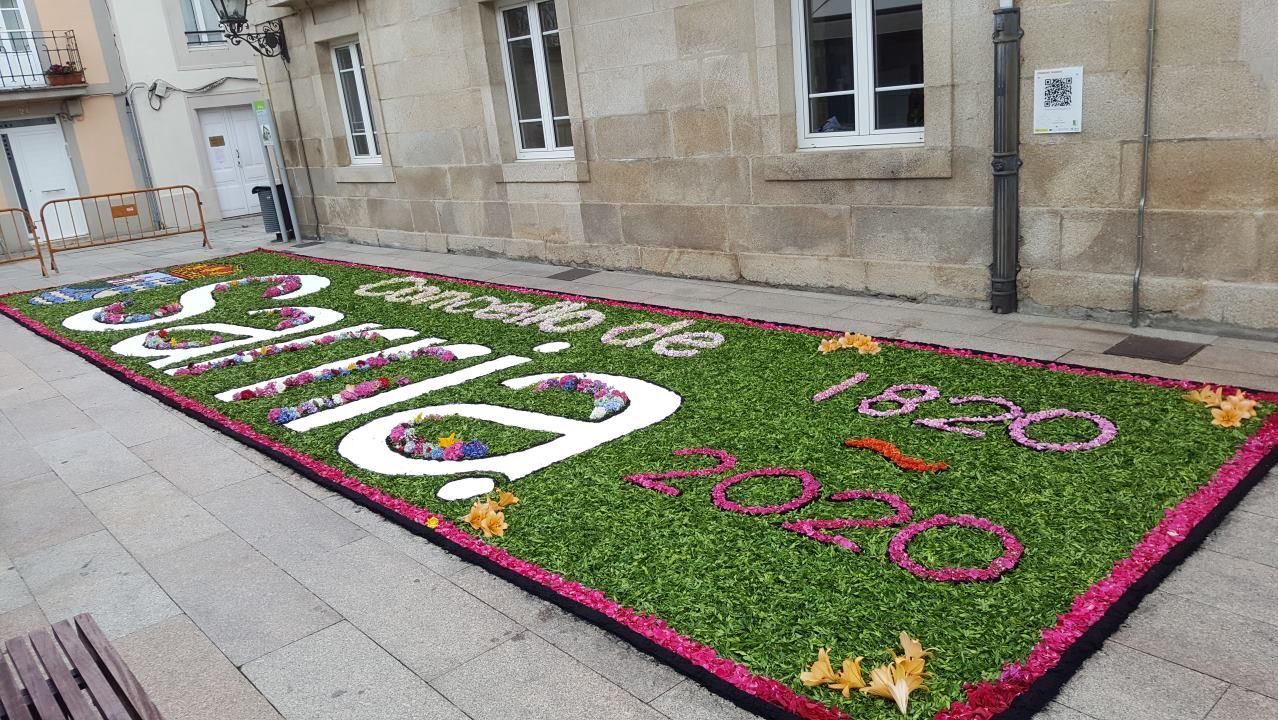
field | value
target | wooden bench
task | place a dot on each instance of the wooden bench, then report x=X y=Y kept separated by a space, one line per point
x=71 y=673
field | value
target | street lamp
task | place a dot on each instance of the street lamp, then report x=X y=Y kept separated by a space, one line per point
x=268 y=41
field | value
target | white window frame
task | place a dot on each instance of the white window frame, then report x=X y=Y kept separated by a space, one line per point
x=200 y=24
x=543 y=84
x=863 y=70
x=357 y=64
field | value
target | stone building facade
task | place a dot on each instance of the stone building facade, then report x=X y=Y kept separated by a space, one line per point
x=688 y=152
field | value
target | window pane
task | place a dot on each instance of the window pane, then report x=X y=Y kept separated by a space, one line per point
x=898 y=42
x=361 y=145
x=546 y=13
x=900 y=109
x=833 y=114
x=532 y=135
x=350 y=98
x=563 y=133
x=524 y=79
x=830 y=45
x=343 y=55
x=516 y=22
x=555 y=71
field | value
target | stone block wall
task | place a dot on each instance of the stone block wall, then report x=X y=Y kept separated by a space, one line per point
x=683 y=118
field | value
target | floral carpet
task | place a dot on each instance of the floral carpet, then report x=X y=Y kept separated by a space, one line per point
x=775 y=511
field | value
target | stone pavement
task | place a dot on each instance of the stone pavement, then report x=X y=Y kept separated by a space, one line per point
x=113 y=504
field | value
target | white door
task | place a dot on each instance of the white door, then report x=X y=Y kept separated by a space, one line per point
x=235 y=157
x=19 y=64
x=44 y=170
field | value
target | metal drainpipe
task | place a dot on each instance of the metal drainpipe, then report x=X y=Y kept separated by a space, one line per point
x=1006 y=162
x=1144 y=162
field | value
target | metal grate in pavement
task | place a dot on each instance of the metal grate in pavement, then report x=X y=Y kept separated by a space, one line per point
x=312 y=243
x=1175 y=352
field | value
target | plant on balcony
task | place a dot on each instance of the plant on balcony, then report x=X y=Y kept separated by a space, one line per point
x=64 y=74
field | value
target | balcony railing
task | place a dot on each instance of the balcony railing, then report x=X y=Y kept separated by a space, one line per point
x=205 y=38
x=38 y=59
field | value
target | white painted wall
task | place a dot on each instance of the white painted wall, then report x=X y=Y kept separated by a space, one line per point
x=152 y=46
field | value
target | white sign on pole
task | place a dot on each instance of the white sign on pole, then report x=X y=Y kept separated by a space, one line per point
x=1058 y=101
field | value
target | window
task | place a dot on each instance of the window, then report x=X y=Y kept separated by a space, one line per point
x=352 y=87
x=535 y=80
x=202 y=28
x=13 y=21
x=859 y=72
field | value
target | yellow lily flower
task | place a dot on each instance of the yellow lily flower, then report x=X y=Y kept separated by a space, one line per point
x=891 y=683
x=448 y=441
x=870 y=348
x=851 y=340
x=1207 y=395
x=1240 y=402
x=820 y=673
x=506 y=499
x=1226 y=417
x=849 y=677
x=478 y=512
x=913 y=648
x=494 y=523
x=828 y=346
x=432 y=523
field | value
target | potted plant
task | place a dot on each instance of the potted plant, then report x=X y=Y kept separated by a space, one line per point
x=64 y=74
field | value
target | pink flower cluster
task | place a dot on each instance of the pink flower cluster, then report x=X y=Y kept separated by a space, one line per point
x=368 y=388
x=267 y=350
x=292 y=317
x=376 y=362
x=811 y=491
x=652 y=481
x=1017 y=430
x=161 y=340
x=906 y=404
x=117 y=313
x=812 y=528
x=950 y=424
x=280 y=284
x=1012 y=550
x=833 y=390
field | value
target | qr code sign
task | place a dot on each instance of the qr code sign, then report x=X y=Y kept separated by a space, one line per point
x=1058 y=92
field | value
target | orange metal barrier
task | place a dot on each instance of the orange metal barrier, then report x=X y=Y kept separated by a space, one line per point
x=19 y=239
x=109 y=218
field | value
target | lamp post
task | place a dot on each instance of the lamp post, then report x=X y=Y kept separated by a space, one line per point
x=268 y=41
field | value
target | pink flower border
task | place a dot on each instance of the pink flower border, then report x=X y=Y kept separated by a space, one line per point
x=984 y=700
x=1012 y=550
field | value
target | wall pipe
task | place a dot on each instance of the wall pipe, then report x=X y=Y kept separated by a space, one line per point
x=1006 y=161
x=1144 y=161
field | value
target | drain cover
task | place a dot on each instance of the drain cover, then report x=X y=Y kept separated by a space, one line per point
x=309 y=244
x=1174 y=352
x=573 y=274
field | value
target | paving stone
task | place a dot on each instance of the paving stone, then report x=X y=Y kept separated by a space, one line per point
x=283 y=523
x=21 y=461
x=435 y=558
x=187 y=677
x=149 y=516
x=1263 y=498
x=39 y=512
x=22 y=620
x=1187 y=372
x=613 y=658
x=47 y=420
x=1228 y=583
x=1064 y=334
x=243 y=603
x=521 y=606
x=136 y=419
x=982 y=343
x=1247 y=535
x=538 y=681
x=1250 y=361
x=1239 y=704
x=1119 y=683
x=690 y=701
x=91 y=460
x=21 y=391
x=195 y=461
x=1056 y=711
x=922 y=316
x=60 y=365
x=94 y=574
x=415 y=614
x=13 y=591
x=312 y=679
x=1203 y=638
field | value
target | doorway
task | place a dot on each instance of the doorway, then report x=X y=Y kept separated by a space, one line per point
x=236 y=158
x=42 y=171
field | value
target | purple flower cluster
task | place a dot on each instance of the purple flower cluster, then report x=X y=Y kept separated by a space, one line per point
x=368 y=388
x=376 y=362
x=608 y=400
x=280 y=284
x=291 y=317
x=1018 y=427
x=115 y=313
x=161 y=340
x=1012 y=550
x=249 y=356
